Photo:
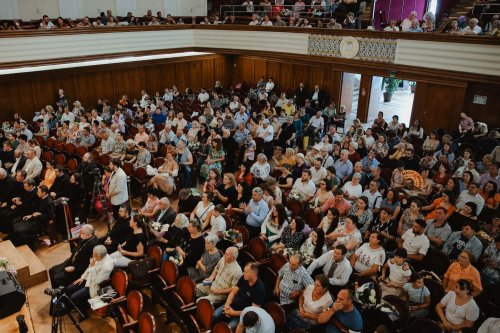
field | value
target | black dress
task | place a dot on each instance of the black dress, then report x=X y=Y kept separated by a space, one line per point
x=229 y=193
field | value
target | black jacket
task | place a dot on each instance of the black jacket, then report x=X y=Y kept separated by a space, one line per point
x=46 y=209
x=7 y=189
x=8 y=157
x=168 y=217
x=61 y=186
x=29 y=202
x=81 y=254
x=120 y=231
x=88 y=177
x=20 y=165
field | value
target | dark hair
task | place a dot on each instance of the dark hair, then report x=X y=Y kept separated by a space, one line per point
x=78 y=177
x=142 y=144
x=441 y=208
x=153 y=191
x=416 y=276
x=353 y=218
x=365 y=200
x=421 y=222
x=473 y=206
x=250 y=319
x=126 y=208
x=328 y=185
x=468 y=223
x=323 y=280
x=281 y=214
x=336 y=216
x=342 y=248
x=220 y=208
x=320 y=242
x=464 y=284
x=299 y=222
x=23 y=137
x=401 y=252
x=117 y=162
x=494 y=191
x=378 y=235
x=450 y=195
x=210 y=195
x=339 y=191
x=43 y=188
x=417 y=202
x=139 y=220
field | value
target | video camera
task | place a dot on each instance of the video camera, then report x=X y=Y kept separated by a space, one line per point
x=54 y=292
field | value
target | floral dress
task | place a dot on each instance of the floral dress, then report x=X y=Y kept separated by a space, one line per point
x=290 y=240
x=307 y=251
x=408 y=221
x=205 y=168
x=364 y=219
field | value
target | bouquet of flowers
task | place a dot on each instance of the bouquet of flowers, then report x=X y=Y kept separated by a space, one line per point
x=5 y=266
x=389 y=310
x=194 y=146
x=158 y=229
x=5 y=125
x=294 y=194
x=483 y=236
x=233 y=236
x=366 y=295
x=176 y=258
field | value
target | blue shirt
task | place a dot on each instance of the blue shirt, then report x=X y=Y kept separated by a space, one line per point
x=352 y=320
x=238 y=118
x=258 y=214
x=343 y=169
x=417 y=29
x=158 y=118
x=240 y=136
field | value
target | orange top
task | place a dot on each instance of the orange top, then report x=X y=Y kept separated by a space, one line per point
x=490 y=201
x=437 y=203
x=455 y=272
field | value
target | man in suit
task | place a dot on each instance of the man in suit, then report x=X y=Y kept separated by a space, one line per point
x=60 y=189
x=78 y=260
x=20 y=161
x=33 y=166
x=86 y=286
x=166 y=215
x=117 y=189
x=7 y=186
x=22 y=205
x=27 y=228
x=318 y=97
x=7 y=156
x=300 y=94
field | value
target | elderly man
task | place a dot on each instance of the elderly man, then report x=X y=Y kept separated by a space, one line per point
x=347 y=317
x=249 y=291
x=473 y=28
x=289 y=108
x=343 y=165
x=315 y=126
x=256 y=211
x=87 y=139
x=407 y=22
x=117 y=190
x=107 y=143
x=22 y=205
x=98 y=271
x=225 y=276
x=76 y=263
x=167 y=135
x=8 y=186
x=33 y=166
x=266 y=132
x=292 y=280
x=334 y=265
x=374 y=196
x=305 y=186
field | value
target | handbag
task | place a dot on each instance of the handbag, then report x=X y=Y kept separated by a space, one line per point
x=139 y=269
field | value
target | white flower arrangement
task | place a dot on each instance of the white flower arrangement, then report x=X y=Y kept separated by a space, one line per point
x=5 y=125
x=389 y=310
x=176 y=258
x=5 y=266
x=193 y=145
x=366 y=295
x=156 y=226
x=294 y=194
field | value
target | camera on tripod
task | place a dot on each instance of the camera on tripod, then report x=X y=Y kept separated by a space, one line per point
x=60 y=306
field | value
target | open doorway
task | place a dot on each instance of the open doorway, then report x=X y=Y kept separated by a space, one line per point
x=350 y=95
x=393 y=97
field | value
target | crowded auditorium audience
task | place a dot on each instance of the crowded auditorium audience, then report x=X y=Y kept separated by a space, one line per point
x=255 y=205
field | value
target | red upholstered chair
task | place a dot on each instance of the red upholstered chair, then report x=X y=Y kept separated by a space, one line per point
x=147 y=323
x=128 y=314
x=157 y=253
x=128 y=168
x=312 y=218
x=80 y=151
x=119 y=282
x=60 y=159
x=255 y=251
x=48 y=156
x=202 y=319
x=70 y=148
x=221 y=328
x=72 y=165
x=277 y=261
x=295 y=206
x=278 y=314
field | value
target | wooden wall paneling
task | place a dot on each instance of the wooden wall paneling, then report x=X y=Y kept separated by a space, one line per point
x=273 y=71
x=22 y=100
x=220 y=71
x=260 y=69
x=286 y=77
x=196 y=74
x=336 y=87
x=208 y=69
x=121 y=82
x=488 y=113
x=182 y=75
x=85 y=88
x=169 y=77
x=316 y=76
x=245 y=70
x=64 y=80
x=154 y=79
x=5 y=104
x=138 y=81
x=43 y=91
x=103 y=83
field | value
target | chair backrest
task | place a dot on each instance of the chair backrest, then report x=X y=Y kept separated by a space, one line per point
x=168 y=272
x=80 y=151
x=128 y=168
x=72 y=164
x=156 y=253
x=141 y=174
x=135 y=304
x=277 y=261
x=186 y=289
x=119 y=281
x=147 y=323
x=158 y=162
x=312 y=218
x=49 y=142
x=60 y=159
x=424 y=325
x=205 y=314
x=436 y=261
x=401 y=306
x=104 y=159
x=436 y=289
x=366 y=279
x=228 y=220
x=277 y=313
x=257 y=248
x=48 y=156
x=244 y=233
x=70 y=148
x=221 y=328
x=295 y=206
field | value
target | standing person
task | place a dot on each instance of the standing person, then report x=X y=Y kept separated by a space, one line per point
x=117 y=191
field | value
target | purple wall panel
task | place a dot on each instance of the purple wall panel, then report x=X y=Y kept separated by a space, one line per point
x=398 y=9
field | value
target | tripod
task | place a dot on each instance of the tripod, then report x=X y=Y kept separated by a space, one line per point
x=59 y=310
x=97 y=189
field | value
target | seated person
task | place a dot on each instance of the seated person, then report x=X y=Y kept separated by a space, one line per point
x=255 y=319
x=414 y=241
x=206 y=265
x=98 y=271
x=78 y=260
x=463 y=269
x=399 y=274
x=120 y=231
x=292 y=279
x=292 y=236
x=216 y=224
x=312 y=302
x=417 y=295
x=249 y=291
x=274 y=225
x=463 y=240
x=225 y=276
x=347 y=234
x=335 y=266
x=457 y=309
x=345 y=313
x=134 y=246
x=490 y=270
x=369 y=258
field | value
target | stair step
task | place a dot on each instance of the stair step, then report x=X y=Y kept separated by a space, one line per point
x=38 y=272
x=9 y=251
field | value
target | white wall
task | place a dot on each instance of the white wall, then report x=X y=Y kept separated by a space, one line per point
x=35 y=9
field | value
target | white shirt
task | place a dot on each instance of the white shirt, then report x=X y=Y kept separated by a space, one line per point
x=353 y=190
x=201 y=212
x=118 y=183
x=491 y=325
x=465 y=197
x=389 y=28
x=33 y=168
x=340 y=275
x=367 y=257
x=317 y=175
x=266 y=24
x=68 y=117
x=318 y=306
x=266 y=133
x=306 y=189
x=317 y=122
x=476 y=30
x=269 y=86
x=217 y=224
x=203 y=97
x=256 y=22
x=415 y=244
x=374 y=199
x=457 y=314
x=95 y=275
